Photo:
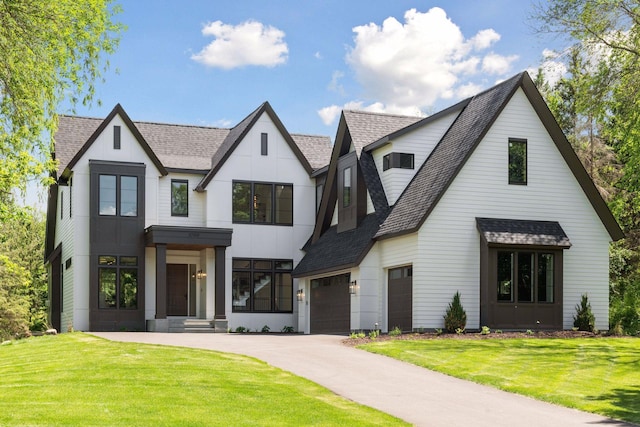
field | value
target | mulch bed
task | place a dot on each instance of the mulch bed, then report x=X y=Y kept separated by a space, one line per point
x=352 y=342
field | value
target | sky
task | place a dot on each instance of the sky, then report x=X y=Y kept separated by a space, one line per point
x=212 y=63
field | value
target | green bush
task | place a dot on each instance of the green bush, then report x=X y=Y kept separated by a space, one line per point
x=455 y=317
x=584 y=319
x=625 y=314
x=395 y=332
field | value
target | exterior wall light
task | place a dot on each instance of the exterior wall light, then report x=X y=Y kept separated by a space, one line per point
x=300 y=294
x=353 y=287
x=201 y=275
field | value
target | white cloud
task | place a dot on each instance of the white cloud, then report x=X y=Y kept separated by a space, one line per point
x=317 y=55
x=331 y=113
x=408 y=66
x=248 y=43
x=334 y=85
x=468 y=90
x=497 y=64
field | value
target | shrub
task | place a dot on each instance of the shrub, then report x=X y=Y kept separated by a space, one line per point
x=241 y=329
x=584 y=319
x=265 y=329
x=485 y=330
x=395 y=332
x=455 y=317
x=373 y=335
x=625 y=314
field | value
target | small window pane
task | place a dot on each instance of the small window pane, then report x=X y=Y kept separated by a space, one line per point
x=129 y=260
x=241 y=291
x=406 y=161
x=262 y=291
x=179 y=198
x=107 y=285
x=107 y=195
x=319 y=189
x=525 y=276
x=284 y=292
x=128 y=196
x=264 y=144
x=517 y=161
x=545 y=277
x=505 y=276
x=396 y=273
x=284 y=204
x=106 y=260
x=241 y=263
x=386 y=162
x=346 y=188
x=262 y=199
x=261 y=264
x=284 y=265
x=241 y=205
x=129 y=288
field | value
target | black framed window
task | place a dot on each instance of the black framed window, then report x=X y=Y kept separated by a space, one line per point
x=62 y=205
x=118 y=195
x=398 y=160
x=525 y=276
x=264 y=144
x=319 y=190
x=517 y=161
x=179 y=197
x=262 y=203
x=346 y=187
x=117 y=282
x=262 y=285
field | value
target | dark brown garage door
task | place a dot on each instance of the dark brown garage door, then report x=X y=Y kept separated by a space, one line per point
x=400 y=301
x=330 y=305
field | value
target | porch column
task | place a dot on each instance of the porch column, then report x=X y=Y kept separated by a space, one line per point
x=161 y=281
x=220 y=283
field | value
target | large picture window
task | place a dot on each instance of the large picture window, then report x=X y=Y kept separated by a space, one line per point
x=118 y=282
x=517 y=161
x=262 y=203
x=118 y=195
x=179 y=197
x=262 y=285
x=525 y=276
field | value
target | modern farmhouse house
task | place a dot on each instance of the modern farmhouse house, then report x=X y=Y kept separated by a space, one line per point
x=486 y=198
x=164 y=227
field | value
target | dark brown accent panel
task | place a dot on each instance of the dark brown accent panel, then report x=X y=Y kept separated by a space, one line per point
x=330 y=305
x=352 y=193
x=177 y=289
x=400 y=299
x=220 y=283
x=55 y=289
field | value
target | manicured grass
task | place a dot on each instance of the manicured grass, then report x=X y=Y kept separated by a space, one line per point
x=79 y=379
x=600 y=375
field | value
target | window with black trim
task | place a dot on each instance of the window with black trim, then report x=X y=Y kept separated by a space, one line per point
x=264 y=144
x=62 y=205
x=346 y=187
x=262 y=285
x=398 y=160
x=517 y=161
x=179 y=197
x=117 y=282
x=262 y=203
x=525 y=276
x=118 y=195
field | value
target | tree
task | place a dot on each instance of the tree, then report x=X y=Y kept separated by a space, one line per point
x=50 y=50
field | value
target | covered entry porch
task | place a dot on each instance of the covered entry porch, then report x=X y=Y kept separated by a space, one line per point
x=189 y=283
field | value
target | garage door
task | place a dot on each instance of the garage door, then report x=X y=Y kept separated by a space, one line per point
x=400 y=301
x=330 y=305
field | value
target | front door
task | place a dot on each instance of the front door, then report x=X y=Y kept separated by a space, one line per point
x=400 y=299
x=177 y=289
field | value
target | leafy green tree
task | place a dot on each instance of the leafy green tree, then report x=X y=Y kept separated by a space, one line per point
x=50 y=50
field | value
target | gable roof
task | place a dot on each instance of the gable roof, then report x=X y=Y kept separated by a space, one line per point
x=366 y=127
x=83 y=127
x=449 y=156
x=237 y=134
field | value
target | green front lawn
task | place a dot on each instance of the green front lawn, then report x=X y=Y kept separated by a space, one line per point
x=79 y=379
x=600 y=375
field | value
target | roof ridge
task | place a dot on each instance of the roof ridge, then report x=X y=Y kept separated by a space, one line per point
x=310 y=134
x=376 y=113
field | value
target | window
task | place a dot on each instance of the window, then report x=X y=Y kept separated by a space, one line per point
x=262 y=203
x=179 y=198
x=116 y=137
x=525 y=276
x=346 y=187
x=517 y=161
x=61 y=205
x=397 y=160
x=127 y=187
x=319 y=190
x=118 y=282
x=264 y=144
x=262 y=285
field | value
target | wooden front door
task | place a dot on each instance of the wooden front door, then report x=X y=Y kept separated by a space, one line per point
x=177 y=289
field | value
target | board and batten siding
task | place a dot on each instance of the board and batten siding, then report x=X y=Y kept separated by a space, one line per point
x=281 y=165
x=419 y=143
x=449 y=243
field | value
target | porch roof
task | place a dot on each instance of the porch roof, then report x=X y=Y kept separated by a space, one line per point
x=194 y=238
x=498 y=231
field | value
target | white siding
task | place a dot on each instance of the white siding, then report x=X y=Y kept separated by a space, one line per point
x=420 y=143
x=196 y=217
x=449 y=242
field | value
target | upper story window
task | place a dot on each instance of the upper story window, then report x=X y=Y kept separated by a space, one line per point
x=397 y=160
x=262 y=203
x=179 y=197
x=346 y=187
x=517 y=161
x=118 y=195
x=319 y=190
x=116 y=137
x=264 y=144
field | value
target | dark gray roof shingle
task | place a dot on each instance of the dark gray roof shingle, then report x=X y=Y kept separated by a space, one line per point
x=522 y=232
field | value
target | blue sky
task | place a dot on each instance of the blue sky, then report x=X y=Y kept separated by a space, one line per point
x=213 y=62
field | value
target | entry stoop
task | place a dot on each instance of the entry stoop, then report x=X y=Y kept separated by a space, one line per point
x=198 y=326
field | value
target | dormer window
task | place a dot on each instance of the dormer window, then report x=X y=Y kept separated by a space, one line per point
x=397 y=160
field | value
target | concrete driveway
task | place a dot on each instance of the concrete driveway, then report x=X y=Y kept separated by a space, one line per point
x=414 y=394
